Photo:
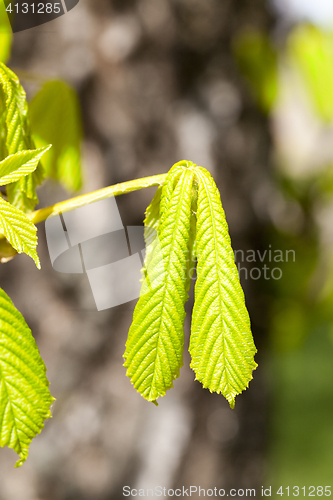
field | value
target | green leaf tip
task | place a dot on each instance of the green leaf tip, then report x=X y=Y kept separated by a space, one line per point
x=25 y=399
x=184 y=222
x=20 y=164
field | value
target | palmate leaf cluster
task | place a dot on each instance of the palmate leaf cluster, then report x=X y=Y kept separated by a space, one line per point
x=25 y=398
x=188 y=220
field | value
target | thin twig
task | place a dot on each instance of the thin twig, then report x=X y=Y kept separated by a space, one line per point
x=101 y=194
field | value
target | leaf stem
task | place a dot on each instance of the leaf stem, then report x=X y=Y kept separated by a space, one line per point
x=101 y=194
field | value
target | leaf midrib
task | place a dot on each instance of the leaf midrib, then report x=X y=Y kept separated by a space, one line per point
x=215 y=242
x=225 y=371
x=167 y=271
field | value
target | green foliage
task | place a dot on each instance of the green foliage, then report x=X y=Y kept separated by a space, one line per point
x=20 y=164
x=188 y=218
x=312 y=51
x=56 y=118
x=14 y=224
x=15 y=136
x=5 y=34
x=25 y=398
x=221 y=343
x=301 y=412
x=24 y=394
x=257 y=60
x=154 y=350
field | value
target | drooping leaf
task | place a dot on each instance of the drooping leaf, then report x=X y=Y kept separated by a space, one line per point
x=154 y=349
x=221 y=343
x=5 y=34
x=18 y=230
x=15 y=136
x=20 y=164
x=56 y=119
x=25 y=398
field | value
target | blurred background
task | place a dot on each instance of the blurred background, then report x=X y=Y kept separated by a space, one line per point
x=124 y=89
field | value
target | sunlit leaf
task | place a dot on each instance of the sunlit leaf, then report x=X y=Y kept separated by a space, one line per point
x=221 y=343
x=154 y=349
x=20 y=164
x=15 y=136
